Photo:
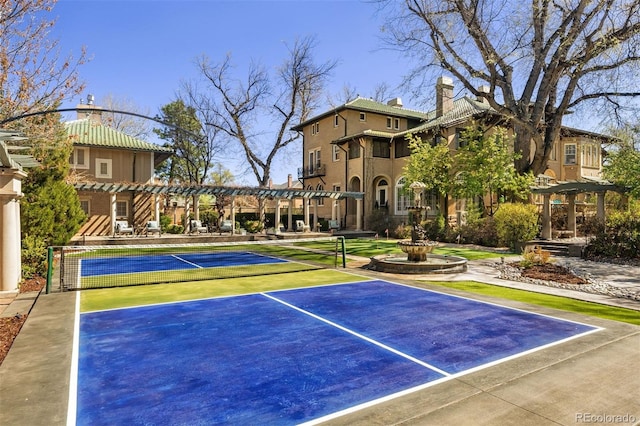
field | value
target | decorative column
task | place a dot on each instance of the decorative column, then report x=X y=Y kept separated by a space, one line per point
x=187 y=212
x=10 y=247
x=546 y=217
x=358 y=214
x=290 y=215
x=233 y=215
x=314 y=228
x=571 y=216
x=196 y=207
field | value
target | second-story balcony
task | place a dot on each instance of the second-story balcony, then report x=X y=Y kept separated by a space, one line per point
x=312 y=171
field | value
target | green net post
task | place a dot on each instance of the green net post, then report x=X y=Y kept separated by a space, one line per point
x=49 y=269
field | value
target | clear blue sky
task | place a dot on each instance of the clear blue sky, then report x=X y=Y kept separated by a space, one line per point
x=142 y=49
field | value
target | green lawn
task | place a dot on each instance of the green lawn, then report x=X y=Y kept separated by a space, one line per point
x=371 y=247
x=556 y=302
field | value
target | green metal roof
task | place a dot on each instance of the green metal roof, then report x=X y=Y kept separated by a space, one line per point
x=89 y=133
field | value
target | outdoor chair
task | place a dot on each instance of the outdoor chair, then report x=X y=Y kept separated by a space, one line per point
x=122 y=227
x=152 y=227
x=226 y=226
x=334 y=225
x=198 y=228
x=301 y=227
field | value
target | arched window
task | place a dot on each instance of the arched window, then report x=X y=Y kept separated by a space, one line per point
x=382 y=192
x=321 y=199
x=403 y=197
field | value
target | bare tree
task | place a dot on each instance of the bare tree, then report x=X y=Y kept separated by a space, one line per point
x=540 y=59
x=234 y=107
x=33 y=75
x=131 y=125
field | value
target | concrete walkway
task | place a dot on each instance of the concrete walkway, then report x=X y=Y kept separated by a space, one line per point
x=568 y=383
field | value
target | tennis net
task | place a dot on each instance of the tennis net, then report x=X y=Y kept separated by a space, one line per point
x=86 y=267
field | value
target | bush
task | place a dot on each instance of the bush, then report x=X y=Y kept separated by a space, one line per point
x=435 y=228
x=537 y=256
x=175 y=229
x=379 y=221
x=482 y=232
x=34 y=256
x=516 y=223
x=253 y=226
x=402 y=232
x=620 y=238
x=165 y=222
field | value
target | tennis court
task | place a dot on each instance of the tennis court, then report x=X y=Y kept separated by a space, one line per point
x=300 y=355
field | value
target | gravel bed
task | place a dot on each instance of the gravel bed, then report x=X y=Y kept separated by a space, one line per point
x=594 y=286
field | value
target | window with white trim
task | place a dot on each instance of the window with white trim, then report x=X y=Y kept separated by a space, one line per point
x=79 y=158
x=335 y=153
x=570 y=153
x=388 y=122
x=320 y=199
x=336 y=120
x=363 y=116
x=103 y=168
x=396 y=123
x=403 y=197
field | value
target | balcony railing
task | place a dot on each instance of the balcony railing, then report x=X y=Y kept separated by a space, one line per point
x=312 y=171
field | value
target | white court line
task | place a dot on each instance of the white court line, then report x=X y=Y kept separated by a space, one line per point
x=360 y=336
x=73 y=376
x=186 y=261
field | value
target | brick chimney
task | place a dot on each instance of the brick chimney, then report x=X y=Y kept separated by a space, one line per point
x=482 y=96
x=289 y=181
x=444 y=96
x=86 y=110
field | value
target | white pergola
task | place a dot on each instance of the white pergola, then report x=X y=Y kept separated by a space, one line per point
x=195 y=191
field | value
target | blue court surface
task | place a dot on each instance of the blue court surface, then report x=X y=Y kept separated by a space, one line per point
x=293 y=356
x=168 y=262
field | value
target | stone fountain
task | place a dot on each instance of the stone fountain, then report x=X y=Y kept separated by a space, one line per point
x=419 y=257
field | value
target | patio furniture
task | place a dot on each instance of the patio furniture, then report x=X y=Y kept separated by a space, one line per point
x=153 y=227
x=122 y=227
x=334 y=225
x=301 y=227
x=198 y=228
x=226 y=226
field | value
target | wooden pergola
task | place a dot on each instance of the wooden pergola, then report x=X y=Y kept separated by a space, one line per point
x=570 y=189
x=195 y=191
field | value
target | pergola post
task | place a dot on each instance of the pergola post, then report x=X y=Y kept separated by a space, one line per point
x=315 y=215
x=196 y=207
x=358 y=214
x=290 y=215
x=156 y=208
x=277 y=217
x=113 y=213
x=600 y=207
x=187 y=212
x=546 y=217
x=233 y=215
x=571 y=214
x=305 y=209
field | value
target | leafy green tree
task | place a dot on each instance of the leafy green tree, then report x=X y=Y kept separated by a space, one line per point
x=485 y=165
x=622 y=164
x=194 y=148
x=429 y=164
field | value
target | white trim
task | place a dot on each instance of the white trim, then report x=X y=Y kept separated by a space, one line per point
x=109 y=172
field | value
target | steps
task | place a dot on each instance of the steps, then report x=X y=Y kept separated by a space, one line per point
x=557 y=248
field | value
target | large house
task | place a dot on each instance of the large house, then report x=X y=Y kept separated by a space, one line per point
x=103 y=155
x=360 y=146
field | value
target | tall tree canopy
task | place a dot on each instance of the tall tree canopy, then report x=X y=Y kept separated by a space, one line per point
x=240 y=110
x=540 y=59
x=194 y=144
x=622 y=164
